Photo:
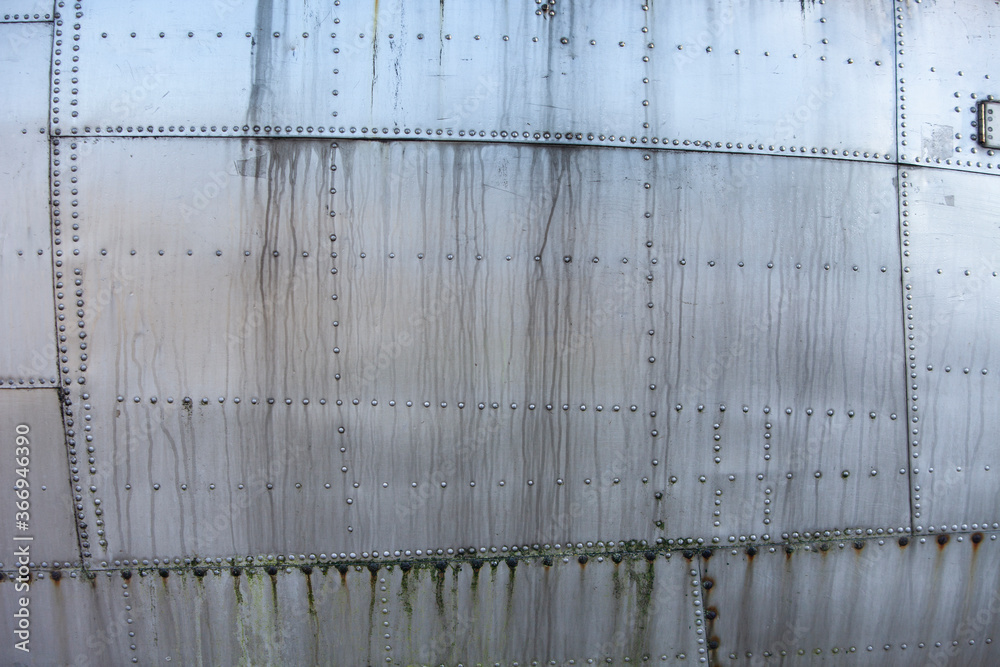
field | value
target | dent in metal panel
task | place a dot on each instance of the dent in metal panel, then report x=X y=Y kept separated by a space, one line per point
x=940 y=80
x=50 y=515
x=909 y=600
x=28 y=354
x=210 y=69
x=812 y=78
x=951 y=259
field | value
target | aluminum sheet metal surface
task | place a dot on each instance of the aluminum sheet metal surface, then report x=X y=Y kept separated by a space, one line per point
x=951 y=263
x=683 y=75
x=913 y=600
x=205 y=68
x=27 y=352
x=25 y=11
x=537 y=609
x=940 y=80
x=403 y=331
x=809 y=77
x=48 y=520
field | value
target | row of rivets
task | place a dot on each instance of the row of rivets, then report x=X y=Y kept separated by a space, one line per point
x=611 y=549
x=69 y=288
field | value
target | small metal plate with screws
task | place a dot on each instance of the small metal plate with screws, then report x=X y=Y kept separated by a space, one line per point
x=989 y=123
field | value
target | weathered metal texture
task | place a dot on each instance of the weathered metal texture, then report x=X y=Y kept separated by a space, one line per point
x=27 y=352
x=299 y=613
x=461 y=69
x=809 y=78
x=951 y=262
x=202 y=68
x=85 y=620
x=25 y=11
x=870 y=602
x=589 y=73
x=440 y=351
x=48 y=519
x=338 y=288
x=940 y=79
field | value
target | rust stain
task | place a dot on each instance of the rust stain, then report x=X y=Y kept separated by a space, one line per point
x=942 y=541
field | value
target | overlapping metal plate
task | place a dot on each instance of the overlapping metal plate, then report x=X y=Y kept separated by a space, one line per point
x=297 y=612
x=940 y=80
x=43 y=492
x=951 y=263
x=683 y=75
x=438 y=327
x=870 y=602
x=28 y=352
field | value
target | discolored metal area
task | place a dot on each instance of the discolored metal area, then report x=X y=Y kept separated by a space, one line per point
x=28 y=350
x=913 y=600
x=300 y=611
x=591 y=73
x=39 y=462
x=206 y=68
x=519 y=333
x=940 y=80
x=950 y=267
x=87 y=616
x=593 y=303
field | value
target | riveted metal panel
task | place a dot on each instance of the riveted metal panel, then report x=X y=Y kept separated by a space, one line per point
x=398 y=284
x=28 y=353
x=587 y=73
x=35 y=414
x=74 y=620
x=206 y=68
x=871 y=601
x=460 y=69
x=813 y=78
x=951 y=262
x=394 y=478
x=940 y=79
x=303 y=610
x=224 y=266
